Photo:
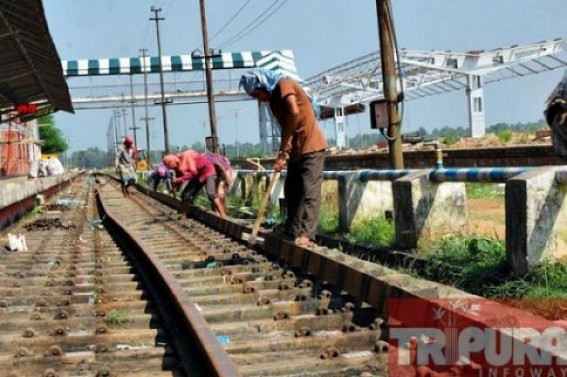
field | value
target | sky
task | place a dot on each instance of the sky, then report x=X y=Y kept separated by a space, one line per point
x=321 y=33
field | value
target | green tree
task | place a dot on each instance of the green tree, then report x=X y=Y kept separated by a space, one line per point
x=422 y=132
x=53 y=140
x=90 y=158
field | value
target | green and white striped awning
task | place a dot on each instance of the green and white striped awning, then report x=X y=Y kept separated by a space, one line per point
x=279 y=61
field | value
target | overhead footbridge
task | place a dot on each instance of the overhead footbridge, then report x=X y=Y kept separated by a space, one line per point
x=427 y=73
x=342 y=90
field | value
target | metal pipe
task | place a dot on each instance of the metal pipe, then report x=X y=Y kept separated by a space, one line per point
x=363 y=175
x=492 y=175
x=489 y=175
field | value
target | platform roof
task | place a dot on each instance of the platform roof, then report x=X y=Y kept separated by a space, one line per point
x=30 y=68
x=434 y=72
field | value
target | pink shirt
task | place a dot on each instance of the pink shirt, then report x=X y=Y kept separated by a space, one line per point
x=194 y=164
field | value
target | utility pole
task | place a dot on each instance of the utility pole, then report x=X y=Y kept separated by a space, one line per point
x=209 y=79
x=146 y=118
x=156 y=18
x=110 y=145
x=237 y=141
x=236 y=112
x=125 y=123
x=116 y=129
x=389 y=79
x=132 y=102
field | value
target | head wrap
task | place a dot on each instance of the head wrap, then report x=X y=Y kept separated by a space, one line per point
x=262 y=78
x=128 y=141
x=161 y=171
x=171 y=161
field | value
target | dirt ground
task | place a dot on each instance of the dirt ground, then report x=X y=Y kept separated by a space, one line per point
x=486 y=218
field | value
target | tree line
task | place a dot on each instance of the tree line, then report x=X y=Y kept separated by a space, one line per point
x=54 y=142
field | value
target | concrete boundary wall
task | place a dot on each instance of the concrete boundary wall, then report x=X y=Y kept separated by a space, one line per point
x=426 y=210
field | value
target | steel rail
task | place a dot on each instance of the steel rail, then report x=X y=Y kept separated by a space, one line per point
x=215 y=356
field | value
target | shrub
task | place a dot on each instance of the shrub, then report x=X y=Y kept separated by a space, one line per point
x=376 y=230
x=505 y=136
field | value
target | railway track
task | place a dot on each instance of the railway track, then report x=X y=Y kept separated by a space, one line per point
x=270 y=320
x=83 y=302
x=73 y=304
x=114 y=286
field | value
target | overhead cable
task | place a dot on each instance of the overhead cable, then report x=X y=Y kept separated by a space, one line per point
x=254 y=23
x=230 y=20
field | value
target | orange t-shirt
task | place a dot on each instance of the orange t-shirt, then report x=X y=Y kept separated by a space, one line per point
x=305 y=136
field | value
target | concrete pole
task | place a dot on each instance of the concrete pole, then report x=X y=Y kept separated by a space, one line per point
x=386 y=32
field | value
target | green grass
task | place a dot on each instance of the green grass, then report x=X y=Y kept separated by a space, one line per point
x=117 y=318
x=235 y=203
x=477 y=190
x=450 y=140
x=38 y=210
x=483 y=270
x=505 y=136
x=480 y=260
x=375 y=230
x=328 y=221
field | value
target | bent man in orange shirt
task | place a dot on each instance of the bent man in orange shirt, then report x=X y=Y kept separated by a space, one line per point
x=302 y=142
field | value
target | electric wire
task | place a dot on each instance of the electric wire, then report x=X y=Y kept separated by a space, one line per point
x=166 y=11
x=230 y=20
x=256 y=22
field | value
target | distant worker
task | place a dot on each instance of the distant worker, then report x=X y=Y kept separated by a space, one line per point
x=225 y=174
x=161 y=174
x=124 y=165
x=194 y=168
x=302 y=142
x=556 y=117
x=42 y=171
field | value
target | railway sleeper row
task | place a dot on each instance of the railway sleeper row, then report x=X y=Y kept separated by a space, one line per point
x=73 y=304
x=271 y=321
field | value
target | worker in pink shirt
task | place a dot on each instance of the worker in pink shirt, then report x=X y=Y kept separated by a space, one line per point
x=194 y=168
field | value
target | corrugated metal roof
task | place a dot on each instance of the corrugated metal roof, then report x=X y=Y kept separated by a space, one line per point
x=281 y=61
x=30 y=68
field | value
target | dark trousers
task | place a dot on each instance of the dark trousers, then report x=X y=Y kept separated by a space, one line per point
x=194 y=186
x=302 y=192
x=166 y=181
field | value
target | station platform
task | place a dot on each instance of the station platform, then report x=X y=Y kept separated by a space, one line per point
x=18 y=195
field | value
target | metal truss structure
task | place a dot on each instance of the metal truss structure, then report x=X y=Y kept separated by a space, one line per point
x=340 y=90
x=427 y=73
x=177 y=91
